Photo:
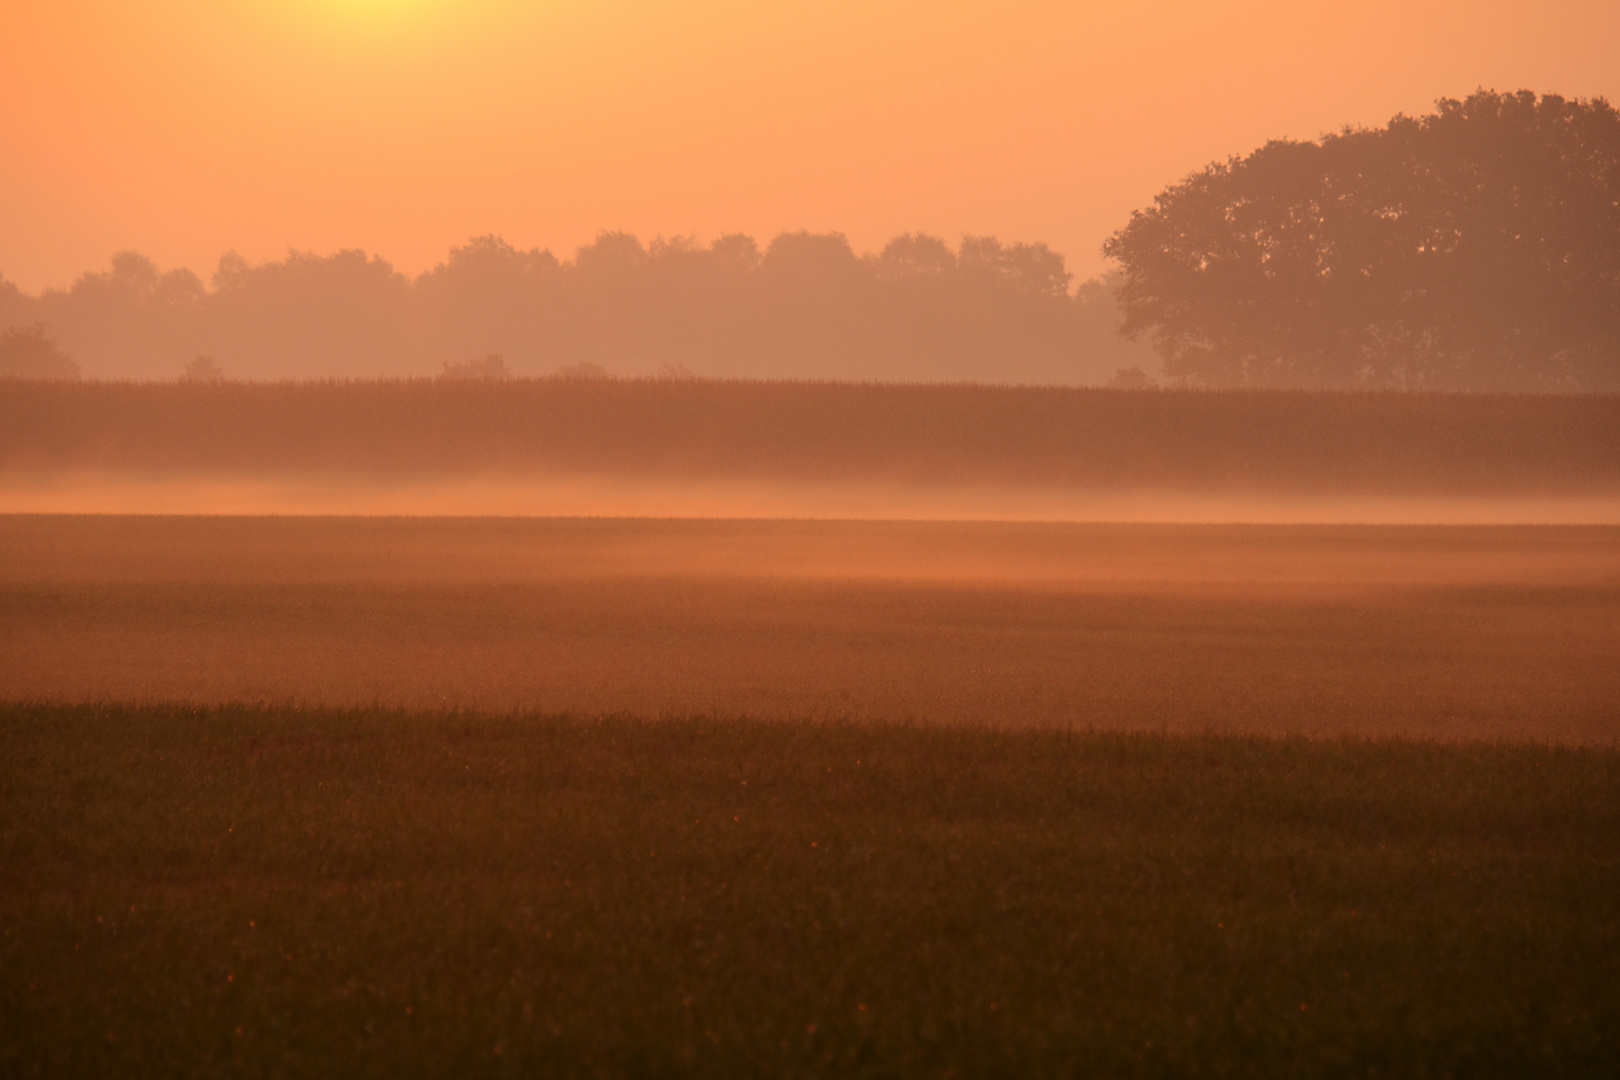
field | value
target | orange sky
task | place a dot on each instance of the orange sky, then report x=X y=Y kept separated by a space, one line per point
x=184 y=128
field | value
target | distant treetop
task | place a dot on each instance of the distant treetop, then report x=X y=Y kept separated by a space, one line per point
x=1477 y=247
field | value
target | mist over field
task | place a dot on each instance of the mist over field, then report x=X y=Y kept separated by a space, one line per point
x=914 y=540
x=698 y=448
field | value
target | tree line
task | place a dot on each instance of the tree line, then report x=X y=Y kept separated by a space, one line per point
x=806 y=306
x=1473 y=248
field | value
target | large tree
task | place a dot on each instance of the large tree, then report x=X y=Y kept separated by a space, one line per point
x=1476 y=248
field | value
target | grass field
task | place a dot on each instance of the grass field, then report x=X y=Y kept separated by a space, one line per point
x=1443 y=632
x=246 y=892
x=637 y=798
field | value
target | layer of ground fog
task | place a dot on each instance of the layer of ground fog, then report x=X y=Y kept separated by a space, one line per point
x=1311 y=445
x=191 y=893
x=517 y=495
x=1448 y=632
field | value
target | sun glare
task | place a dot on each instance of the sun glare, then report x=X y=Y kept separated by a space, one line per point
x=377 y=24
x=376 y=10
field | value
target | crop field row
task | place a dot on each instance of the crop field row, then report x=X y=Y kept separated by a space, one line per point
x=1303 y=442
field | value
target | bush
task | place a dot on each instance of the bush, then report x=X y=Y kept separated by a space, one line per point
x=492 y=366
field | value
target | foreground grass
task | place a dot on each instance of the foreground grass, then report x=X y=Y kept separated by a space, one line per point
x=284 y=893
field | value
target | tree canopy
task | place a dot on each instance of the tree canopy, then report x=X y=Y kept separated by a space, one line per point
x=1474 y=248
x=804 y=305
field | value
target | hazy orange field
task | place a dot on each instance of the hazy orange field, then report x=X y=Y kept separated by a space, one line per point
x=1447 y=632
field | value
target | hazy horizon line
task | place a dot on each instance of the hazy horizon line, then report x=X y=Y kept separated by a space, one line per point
x=688 y=377
x=658 y=244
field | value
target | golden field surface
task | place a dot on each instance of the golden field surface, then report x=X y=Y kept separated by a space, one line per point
x=1429 y=632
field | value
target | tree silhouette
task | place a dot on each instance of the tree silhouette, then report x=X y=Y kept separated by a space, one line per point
x=487 y=297
x=310 y=316
x=1477 y=247
x=913 y=256
x=1031 y=269
x=807 y=306
x=29 y=352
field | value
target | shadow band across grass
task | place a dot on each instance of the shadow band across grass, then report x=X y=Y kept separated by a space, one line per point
x=263 y=892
